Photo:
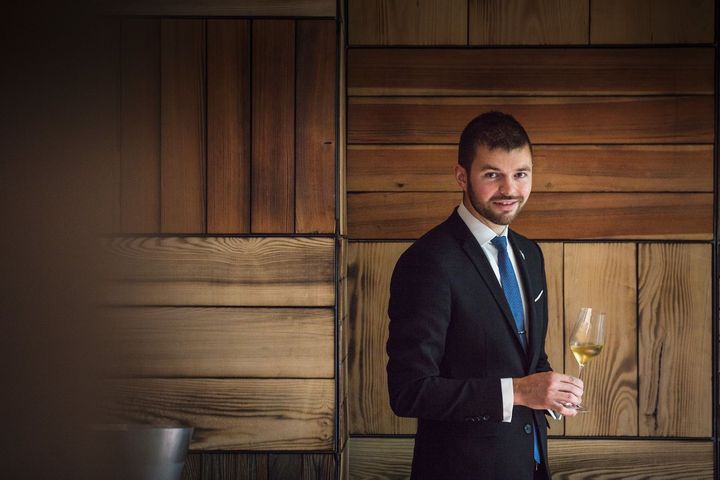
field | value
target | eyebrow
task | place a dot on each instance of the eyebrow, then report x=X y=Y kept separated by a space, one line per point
x=496 y=169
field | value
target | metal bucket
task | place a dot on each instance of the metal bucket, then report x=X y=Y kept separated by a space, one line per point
x=141 y=452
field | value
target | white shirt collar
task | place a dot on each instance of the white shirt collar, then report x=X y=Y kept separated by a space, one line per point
x=482 y=233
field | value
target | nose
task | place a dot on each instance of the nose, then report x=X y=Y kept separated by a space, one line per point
x=507 y=186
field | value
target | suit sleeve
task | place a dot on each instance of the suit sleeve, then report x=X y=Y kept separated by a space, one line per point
x=420 y=313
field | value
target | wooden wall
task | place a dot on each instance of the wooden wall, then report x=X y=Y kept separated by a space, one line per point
x=225 y=253
x=624 y=135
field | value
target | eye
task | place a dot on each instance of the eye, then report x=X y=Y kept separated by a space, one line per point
x=491 y=175
x=521 y=174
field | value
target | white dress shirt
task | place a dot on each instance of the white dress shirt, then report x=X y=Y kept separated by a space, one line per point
x=484 y=235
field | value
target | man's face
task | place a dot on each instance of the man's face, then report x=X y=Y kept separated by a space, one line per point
x=497 y=185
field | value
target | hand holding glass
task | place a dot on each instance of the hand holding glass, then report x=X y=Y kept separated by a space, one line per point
x=586 y=342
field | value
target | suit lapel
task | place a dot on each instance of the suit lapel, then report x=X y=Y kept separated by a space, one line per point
x=529 y=289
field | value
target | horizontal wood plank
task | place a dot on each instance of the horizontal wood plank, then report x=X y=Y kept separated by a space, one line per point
x=554 y=71
x=390 y=459
x=675 y=290
x=226 y=8
x=407 y=22
x=528 y=22
x=587 y=168
x=651 y=21
x=546 y=216
x=568 y=120
x=223 y=342
x=239 y=414
x=222 y=271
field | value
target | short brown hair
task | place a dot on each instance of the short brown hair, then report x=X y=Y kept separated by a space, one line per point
x=494 y=130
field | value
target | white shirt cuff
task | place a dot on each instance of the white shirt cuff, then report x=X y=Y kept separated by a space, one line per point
x=508 y=398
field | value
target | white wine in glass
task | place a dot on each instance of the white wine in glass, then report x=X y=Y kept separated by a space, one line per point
x=586 y=342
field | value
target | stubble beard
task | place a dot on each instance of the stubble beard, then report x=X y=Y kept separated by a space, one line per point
x=486 y=212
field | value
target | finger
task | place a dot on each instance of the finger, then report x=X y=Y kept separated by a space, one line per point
x=565 y=410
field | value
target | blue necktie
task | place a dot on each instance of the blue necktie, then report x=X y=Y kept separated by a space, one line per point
x=510 y=286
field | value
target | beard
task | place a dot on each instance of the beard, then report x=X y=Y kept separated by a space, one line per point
x=485 y=209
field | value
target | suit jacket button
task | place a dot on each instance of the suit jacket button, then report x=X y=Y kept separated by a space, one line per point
x=528 y=428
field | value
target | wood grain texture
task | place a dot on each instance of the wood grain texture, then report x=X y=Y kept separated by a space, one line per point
x=528 y=22
x=548 y=216
x=675 y=340
x=315 y=121
x=282 y=467
x=603 y=276
x=344 y=473
x=556 y=168
x=140 y=126
x=273 y=126
x=229 y=8
x=228 y=126
x=182 y=153
x=555 y=339
x=222 y=271
x=318 y=467
x=370 y=267
x=224 y=342
x=652 y=21
x=239 y=414
x=407 y=22
x=517 y=71
x=225 y=466
x=565 y=120
x=389 y=459
x=342 y=122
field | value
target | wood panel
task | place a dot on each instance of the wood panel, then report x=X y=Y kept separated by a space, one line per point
x=240 y=414
x=370 y=267
x=224 y=342
x=273 y=126
x=315 y=120
x=555 y=339
x=389 y=459
x=228 y=126
x=222 y=271
x=603 y=276
x=681 y=119
x=675 y=340
x=257 y=466
x=407 y=22
x=652 y=21
x=182 y=153
x=546 y=216
x=342 y=122
x=528 y=22
x=229 y=8
x=551 y=71
x=586 y=168
x=140 y=126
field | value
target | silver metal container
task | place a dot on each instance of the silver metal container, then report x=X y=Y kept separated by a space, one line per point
x=141 y=452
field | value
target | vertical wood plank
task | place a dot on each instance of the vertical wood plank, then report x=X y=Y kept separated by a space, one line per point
x=342 y=123
x=603 y=276
x=555 y=340
x=407 y=22
x=284 y=466
x=318 y=466
x=192 y=467
x=273 y=126
x=315 y=122
x=228 y=126
x=182 y=126
x=528 y=22
x=675 y=340
x=370 y=267
x=652 y=21
x=140 y=126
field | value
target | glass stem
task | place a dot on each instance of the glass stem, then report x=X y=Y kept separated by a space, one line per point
x=582 y=370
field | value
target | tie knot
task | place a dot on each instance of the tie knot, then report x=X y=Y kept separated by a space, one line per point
x=500 y=243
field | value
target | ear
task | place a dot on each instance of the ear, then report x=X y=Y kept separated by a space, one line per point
x=461 y=177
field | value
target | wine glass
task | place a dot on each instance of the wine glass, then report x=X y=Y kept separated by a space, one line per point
x=586 y=342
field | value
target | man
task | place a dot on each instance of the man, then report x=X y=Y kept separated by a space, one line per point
x=468 y=319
